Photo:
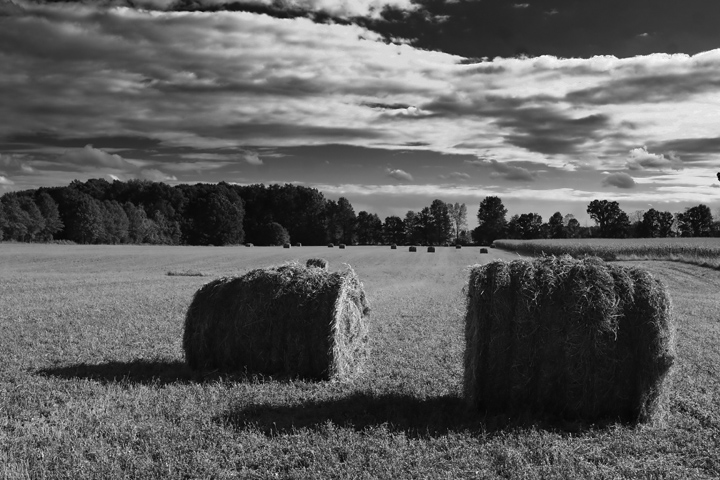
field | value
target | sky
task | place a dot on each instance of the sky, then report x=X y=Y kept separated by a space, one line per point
x=547 y=104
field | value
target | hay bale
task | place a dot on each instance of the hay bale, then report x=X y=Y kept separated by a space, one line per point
x=483 y=250
x=431 y=250
x=457 y=247
x=317 y=263
x=249 y=245
x=492 y=245
x=288 y=320
x=286 y=245
x=341 y=246
x=576 y=339
x=412 y=249
x=393 y=246
x=298 y=244
x=330 y=245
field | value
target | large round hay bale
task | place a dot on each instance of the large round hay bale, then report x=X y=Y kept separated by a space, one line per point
x=298 y=244
x=289 y=320
x=457 y=247
x=330 y=245
x=483 y=250
x=317 y=263
x=286 y=245
x=412 y=249
x=341 y=246
x=560 y=337
x=393 y=246
x=249 y=245
x=431 y=249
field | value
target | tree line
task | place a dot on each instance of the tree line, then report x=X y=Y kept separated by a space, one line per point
x=145 y=212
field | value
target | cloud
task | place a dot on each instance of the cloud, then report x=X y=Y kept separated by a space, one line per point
x=640 y=159
x=455 y=176
x=504 y=170
x=252 y=158
x=90 y=157
x=6 y=181
x=619 y=180
x=401 y=175
x=155 y=175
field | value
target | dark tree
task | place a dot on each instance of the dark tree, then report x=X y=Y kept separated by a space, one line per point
x=139 y=226
x=394 y=230
x=529 y=226
x=215 y=216
x=272 y=234
x=572 y=228
x=491 y=220
x=51 y=215
x=82 y=216
x=441 y=223
x=413 y=232
x=611 y=220
x=695 y=222
x=18 y=224
x=369 y=228
x=115 y=222
x=656 y=224
x=556 y=226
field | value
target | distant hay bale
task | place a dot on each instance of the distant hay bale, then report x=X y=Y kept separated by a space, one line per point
x=577 y=339
x=458 y=246
x=492 y=245
x=330 y=245
x=288 y=320
x=286 y=245
x=317 y=263
x=393 y=246
x=341 y=246
x=249 y=245
x=431 y=250
x=298 y=244
x=412 y=249
x=483 y=250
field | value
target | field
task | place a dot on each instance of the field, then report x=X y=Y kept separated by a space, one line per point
x=93 y=382
x=698 y=251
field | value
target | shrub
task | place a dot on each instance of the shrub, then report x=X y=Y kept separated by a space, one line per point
x=483 y=250
x=393 y=246
x=431 y=249
x=317 y=262
x=287 y=320
x=412 y=249
x=579 y=339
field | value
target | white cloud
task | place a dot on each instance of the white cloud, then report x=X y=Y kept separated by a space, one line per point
x=90 y=157
x=5 y=181
x=640 y=159
x=155 y=175
x=401 y=175
x=619 y=180
x=252 y=158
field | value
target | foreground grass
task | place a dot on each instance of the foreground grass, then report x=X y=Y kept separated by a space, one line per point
x=93 y=383
x=697 y=251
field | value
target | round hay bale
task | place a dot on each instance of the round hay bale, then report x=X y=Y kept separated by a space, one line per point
x=249 y=245
x=342 y=246
x=457 y=247
x=483 y=250
x=298 y=244
x=412 y=249
x=393 y=246
x=492 y=245
x=330 y=245
x=431 y=249
x=575 y=339
x=317 y=263
x=288 y=320
x=286 y=245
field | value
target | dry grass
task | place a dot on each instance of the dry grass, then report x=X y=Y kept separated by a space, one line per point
x=577 y=339
x=318 y=263
x=289 y=320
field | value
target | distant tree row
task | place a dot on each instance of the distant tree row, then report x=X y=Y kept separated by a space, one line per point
x=138 y=211
x=610 y=222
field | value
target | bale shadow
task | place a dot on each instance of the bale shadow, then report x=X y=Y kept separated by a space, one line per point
x=415 y=417
x=134 y=372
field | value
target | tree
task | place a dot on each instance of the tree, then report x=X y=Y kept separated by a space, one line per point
x=556 y=226
x=656 y=224
x=139 y=227
x=347 y=220
x=572 y=228
x=413 y=234
x=611 y=220
x=491 y=220
x=394 y=230
x=529 y=226
x=695 y=222
x=17 y=220
x=458 y=215
x=51 y=215
x=441 y=223
x=82 y=217
x=273 y=234
x=369 y=228
x=217 y=217
x=115 y=222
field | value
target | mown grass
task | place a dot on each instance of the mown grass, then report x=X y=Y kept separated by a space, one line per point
x=698 y=251
x=93 y=382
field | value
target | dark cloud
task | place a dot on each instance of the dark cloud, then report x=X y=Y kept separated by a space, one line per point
x=619 y=180
x=251 y=131
x=690 y=149
x=455 y=176
x=505 y=170
x=649 y=88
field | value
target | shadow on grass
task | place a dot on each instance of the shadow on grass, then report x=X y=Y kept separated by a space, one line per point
x=136 y=371
x=430 y=417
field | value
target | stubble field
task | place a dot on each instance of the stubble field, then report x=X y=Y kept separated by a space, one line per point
x=93 y=383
